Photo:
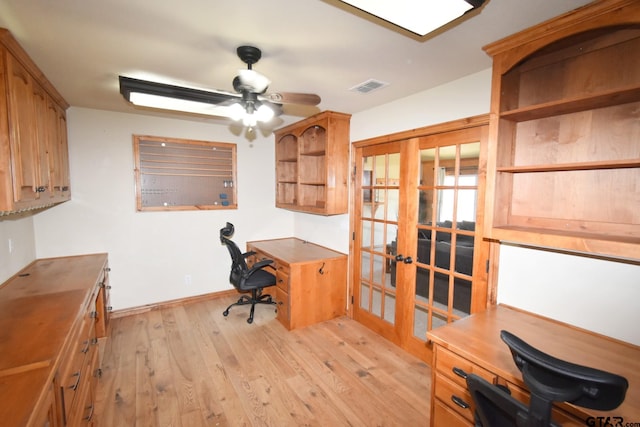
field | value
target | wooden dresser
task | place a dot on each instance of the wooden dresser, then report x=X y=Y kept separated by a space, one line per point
x=53 y=314
x=311 y=280
x=473 y=345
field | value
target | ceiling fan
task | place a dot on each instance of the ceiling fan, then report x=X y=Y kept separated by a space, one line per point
x=250 y=103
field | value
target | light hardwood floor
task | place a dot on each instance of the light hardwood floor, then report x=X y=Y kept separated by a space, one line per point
x=189 y=366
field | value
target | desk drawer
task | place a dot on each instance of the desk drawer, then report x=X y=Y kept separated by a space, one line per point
x=457 y=368
x=444 y=416
x=282 y=278
x=454 y=396
x=72 y=375
x=282 y=299
x=558 y=415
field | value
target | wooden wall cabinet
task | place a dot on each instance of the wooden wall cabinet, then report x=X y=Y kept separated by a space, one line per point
x=34 y=166
x=564 y=157
x=312 y=164
x=53 y=316
x=311 y=280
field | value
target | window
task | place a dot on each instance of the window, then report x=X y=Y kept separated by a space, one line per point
x=180 y=174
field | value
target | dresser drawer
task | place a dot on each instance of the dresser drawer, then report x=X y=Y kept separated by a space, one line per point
x=457 y=368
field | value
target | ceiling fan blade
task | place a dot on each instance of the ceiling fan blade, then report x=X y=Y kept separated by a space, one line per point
x=293 y=98
x=253 y=81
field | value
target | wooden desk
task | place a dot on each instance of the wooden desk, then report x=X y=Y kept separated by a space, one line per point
x=311 y=280
x=473 y=344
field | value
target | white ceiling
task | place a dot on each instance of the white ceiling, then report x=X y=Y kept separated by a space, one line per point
x=316 y=46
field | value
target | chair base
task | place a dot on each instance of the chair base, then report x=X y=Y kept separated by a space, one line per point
x=256 y=298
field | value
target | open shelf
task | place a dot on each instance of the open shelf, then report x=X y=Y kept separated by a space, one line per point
x=313 y=155
x=564 y=162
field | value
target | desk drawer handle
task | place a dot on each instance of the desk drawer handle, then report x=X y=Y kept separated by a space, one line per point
x=88 y=417
x=459 y=372
x=458 y=401
x=75 y=386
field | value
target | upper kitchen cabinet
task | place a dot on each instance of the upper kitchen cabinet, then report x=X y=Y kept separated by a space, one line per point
x=312 y=164
x=564 y=140
x=34 y=165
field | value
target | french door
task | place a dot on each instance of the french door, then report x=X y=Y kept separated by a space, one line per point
x=419 y=257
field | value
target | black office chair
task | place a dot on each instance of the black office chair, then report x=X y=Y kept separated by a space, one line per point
x=246 y=279
x=549 y=380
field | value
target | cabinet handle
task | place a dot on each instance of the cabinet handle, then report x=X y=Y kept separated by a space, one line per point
x=65 y=188
x=75 y=386
x=458 y=401
x=41 y=189
x=459 y=372
x=93 y=315
x=87 y=344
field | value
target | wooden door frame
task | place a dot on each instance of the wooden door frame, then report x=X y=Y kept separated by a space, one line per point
x=412 y=137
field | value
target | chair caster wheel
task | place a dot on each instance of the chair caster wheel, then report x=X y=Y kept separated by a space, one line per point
x=225 y=313
x=250 y=320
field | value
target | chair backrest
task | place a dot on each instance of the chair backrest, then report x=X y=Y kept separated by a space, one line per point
x=239 y=269
x=549 y=380
x=562 y=381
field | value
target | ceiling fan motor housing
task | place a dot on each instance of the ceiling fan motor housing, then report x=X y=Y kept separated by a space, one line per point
x=249 y=54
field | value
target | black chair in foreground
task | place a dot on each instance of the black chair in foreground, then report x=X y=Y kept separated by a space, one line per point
x=246 y=279
x=549 y=380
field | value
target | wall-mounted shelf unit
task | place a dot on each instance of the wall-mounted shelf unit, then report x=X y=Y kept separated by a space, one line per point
x=312 y=164
x=564 y=150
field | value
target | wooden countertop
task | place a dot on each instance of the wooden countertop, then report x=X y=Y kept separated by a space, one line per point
x=477 y=338
x=40 y=307
x=293 y=250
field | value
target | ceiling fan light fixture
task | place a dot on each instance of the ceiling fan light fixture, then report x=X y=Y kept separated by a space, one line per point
x=418 y=16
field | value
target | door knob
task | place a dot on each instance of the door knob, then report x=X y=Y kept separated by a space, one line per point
x=399 y=257
x=408 y=260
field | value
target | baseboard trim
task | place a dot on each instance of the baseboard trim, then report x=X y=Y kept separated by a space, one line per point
x=171 y=303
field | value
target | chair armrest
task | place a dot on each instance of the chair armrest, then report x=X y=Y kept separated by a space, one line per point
x=261 y=264
x=248 y=254
x=257 y=266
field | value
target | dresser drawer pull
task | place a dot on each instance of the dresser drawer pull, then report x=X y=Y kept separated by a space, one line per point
x=459 y=372
x=75 y=386
x=458 y=401
x=87 y=344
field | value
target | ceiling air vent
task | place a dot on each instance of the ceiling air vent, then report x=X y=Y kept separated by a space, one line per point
x=369 y=86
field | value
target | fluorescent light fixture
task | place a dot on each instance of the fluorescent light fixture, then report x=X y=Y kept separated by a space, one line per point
x=418 y=16
x=168 y=97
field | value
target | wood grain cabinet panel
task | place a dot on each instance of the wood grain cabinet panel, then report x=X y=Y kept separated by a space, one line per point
x=34 y=166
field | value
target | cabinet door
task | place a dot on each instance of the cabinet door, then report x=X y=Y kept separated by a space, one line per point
x=58 y=151
x=44 y=141
x=22 y=135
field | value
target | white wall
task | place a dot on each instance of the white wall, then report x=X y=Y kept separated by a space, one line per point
x=151 y=252
x=18 y=229
x=591 y=293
